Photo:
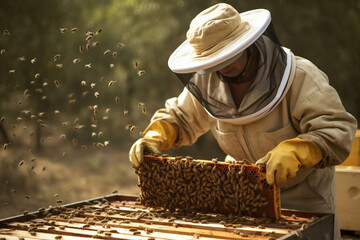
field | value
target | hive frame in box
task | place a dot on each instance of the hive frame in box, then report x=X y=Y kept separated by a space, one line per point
x=318 y=226
x=206 y=186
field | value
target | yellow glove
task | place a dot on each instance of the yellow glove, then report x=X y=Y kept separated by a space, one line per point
x=159 y=135
x=287 y=158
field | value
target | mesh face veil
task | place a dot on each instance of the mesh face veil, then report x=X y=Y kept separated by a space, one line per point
x=269 y=82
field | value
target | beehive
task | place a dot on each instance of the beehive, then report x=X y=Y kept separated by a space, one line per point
x=206 y=186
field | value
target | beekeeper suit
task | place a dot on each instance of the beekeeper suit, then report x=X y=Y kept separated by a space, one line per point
x=260 y=101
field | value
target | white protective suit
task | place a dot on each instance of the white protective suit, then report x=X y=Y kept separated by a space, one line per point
x=309 y=108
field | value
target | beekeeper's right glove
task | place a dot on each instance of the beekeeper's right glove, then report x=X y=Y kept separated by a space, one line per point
x=160 y=135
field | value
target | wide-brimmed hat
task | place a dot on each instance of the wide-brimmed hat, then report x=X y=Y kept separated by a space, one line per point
x=218 y=35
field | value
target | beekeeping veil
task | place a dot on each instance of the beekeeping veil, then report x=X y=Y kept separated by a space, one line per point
x=217 y=37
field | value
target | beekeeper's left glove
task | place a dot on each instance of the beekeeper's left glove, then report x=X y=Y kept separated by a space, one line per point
x=287 y=158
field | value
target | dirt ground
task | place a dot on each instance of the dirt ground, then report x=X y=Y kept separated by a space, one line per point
x=49 y=176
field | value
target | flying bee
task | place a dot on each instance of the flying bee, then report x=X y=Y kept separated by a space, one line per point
x=81 y=48
x=88 y=38
x=59 y=65
x=56 y=57
x=89 y=34
x=117 y=99
x=21 y=59
x=62 y=30
x=33 y=83
x=111 y=83
x=27 y=196
x=135 y=65
x=93 y=134
x=130 y=127
x=143 y=109
x=98 y=31
x=63 y=136
x=21 y=163
x=57 y=84
x=41 y=114
x=126 y=112
x=88 y=65
x=43 y=98
x=95 y=43
x=83 y=83
x=74 y=141
x=84 y=94
x=102 y=79
x=107 y=110
x=105 y=118
x=5 y=146
x=99 y=144
x=83 y=147
x=76 y=60
x=100 y=134
x=64 y=154
x=140 y=72
x=3 y=51
x=140 y=104
x=45 y=84
x=19 y=102
x=106 y=143
x=72 y=101
x=111 y=65
x=64 y=123
x=37 y=75
x=107 y=52
x=114 y=54
x=59 y=201
x=74 y=29
x=119 y=44
x=11 y=71
x=87 y=46
x=92 y=85
x=93 y=126
x=96 y=94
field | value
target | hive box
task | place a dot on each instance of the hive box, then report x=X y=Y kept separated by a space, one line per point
x=348 y=197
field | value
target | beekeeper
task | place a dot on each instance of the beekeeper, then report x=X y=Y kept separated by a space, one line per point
x=260 y=101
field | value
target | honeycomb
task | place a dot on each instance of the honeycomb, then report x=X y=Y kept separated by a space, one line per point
x=204 y=186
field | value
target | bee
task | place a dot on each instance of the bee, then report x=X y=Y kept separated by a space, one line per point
x=100 y=134
x=117 y=99
x=2 y=119
x=56 y=57
x=111 y=83
x=87 y=46
x=143 y=109
x=59 y=201
x=88 y=65
x=64 y=154
x=3 y=51
x=83 y=147
x=135 y=65
x=106 y=143
x=96 y=94
x=74 y=29
x=111 y=65
x=12 y=71
x=126 y=112
x=64 y=123
x=88 y=38
x=102 y=79
x=76 y=60
x=98 y=31
x=72 y=101
x=45 y=84
x=62 y=30
x=21 y=163
x=99 y=144
x=105 y=117
x=93 y=134
x=140 y=72
x=74 y=141
x=119 y=44
x=130 y=127
x=107 y=52
x=81 y=48
x=21 y=59
x=92 y=85
x=37 y=75
x=60 y=65
x=27 y=196
x=5 y=146
x=57 y=84
x=89 y=34
x=41 y=114
x=114 y=54
x=19 y=119
x=95 y=43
